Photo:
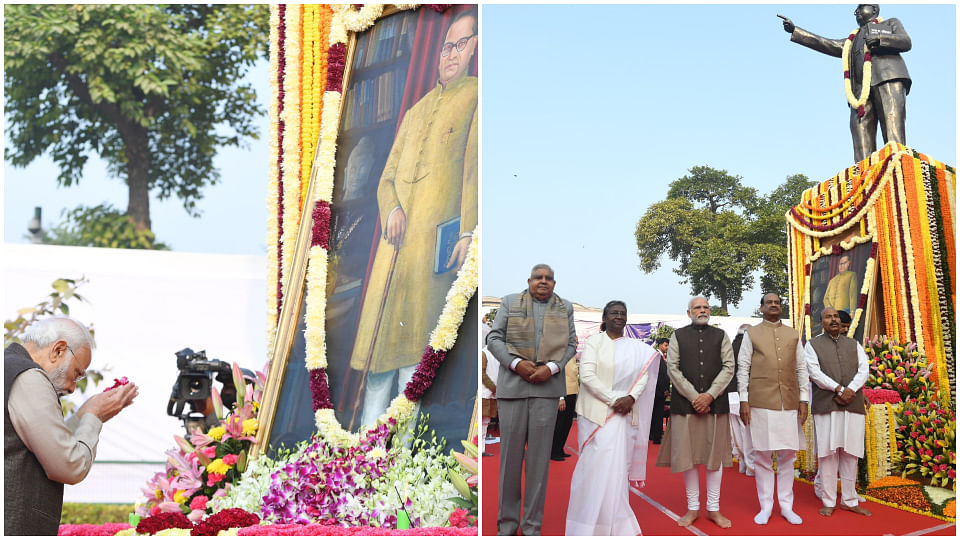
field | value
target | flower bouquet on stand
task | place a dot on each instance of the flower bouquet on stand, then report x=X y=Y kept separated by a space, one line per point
x=206 y=467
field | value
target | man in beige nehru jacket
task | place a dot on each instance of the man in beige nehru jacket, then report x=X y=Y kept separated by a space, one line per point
x=773 y=383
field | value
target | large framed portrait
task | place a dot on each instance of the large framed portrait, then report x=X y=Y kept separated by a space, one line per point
x=837 y=281
x=403 y=212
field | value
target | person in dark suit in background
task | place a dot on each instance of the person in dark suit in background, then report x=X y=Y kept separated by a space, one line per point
x=566 y=410
x=663 y=391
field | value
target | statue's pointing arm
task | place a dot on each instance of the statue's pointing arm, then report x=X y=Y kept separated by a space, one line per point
x=832 y=47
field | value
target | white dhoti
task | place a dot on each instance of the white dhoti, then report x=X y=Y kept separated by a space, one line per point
x=840 y=439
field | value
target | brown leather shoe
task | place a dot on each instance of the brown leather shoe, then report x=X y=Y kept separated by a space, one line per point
x=855 y=509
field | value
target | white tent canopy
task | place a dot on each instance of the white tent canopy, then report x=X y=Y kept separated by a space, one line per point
x=145 y=306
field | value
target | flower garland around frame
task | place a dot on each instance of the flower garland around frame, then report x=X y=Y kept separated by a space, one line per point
x=864 y=288
x=857 y=102
x=348 y=18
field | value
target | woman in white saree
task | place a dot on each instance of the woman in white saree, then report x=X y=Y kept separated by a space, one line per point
x=613 y=424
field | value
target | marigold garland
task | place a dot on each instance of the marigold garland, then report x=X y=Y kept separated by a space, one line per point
x=898 y=199
x=893 y=203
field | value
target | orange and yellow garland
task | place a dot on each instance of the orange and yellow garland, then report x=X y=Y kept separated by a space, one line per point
x=904 y=201
x=299 y=40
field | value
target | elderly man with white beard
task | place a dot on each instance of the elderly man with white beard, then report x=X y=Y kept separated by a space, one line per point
x=700 y=363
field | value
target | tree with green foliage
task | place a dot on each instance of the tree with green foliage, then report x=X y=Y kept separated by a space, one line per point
x=663 y=331
x=100 y=226
x=720 y=232
x=153 y=90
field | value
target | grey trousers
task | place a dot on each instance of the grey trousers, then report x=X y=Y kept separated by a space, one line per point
x=887 y=105
x=526 y=434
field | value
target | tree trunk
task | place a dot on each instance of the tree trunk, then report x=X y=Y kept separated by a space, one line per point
x=137 y=151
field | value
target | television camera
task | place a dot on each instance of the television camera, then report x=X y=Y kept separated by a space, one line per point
x=193 y=387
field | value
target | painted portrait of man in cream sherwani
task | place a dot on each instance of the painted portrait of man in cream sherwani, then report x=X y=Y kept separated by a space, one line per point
x=429 y=181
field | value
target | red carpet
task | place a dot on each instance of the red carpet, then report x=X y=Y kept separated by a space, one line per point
x=738 y=502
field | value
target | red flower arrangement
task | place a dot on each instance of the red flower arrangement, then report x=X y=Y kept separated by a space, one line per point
x=163 y=520
x=878 y=396
x=223 y=520
x=461 y=518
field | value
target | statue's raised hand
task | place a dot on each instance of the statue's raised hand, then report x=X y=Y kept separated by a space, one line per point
x=788 y=25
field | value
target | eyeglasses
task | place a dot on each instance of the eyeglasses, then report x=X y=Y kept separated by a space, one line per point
x=615 y=313
x=461 y=44
x=81 y=377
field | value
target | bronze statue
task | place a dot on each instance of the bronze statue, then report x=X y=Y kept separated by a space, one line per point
x=884 y=98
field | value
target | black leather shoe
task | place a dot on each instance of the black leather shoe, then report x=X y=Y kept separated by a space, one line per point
x=566 y=454
x=557 y=458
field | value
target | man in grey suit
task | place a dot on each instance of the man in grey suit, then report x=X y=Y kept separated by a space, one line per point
x=533 y=337
x=889 y=82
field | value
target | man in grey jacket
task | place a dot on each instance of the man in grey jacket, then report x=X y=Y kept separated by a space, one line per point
x=533 y=337
x=889 y=81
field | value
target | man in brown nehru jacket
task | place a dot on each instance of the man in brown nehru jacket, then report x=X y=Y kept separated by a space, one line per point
x=773 y=383
x=838 y=368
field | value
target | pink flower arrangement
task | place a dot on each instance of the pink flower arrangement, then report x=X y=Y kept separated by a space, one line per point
x=461 y=518
x=86 y=529
x=209 y=463
x=333 y=530
x=199 y=502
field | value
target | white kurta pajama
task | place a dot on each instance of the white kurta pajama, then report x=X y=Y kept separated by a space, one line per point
x=840 y=434
x=769 y=429
x=773 y=430
x=612 y=453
